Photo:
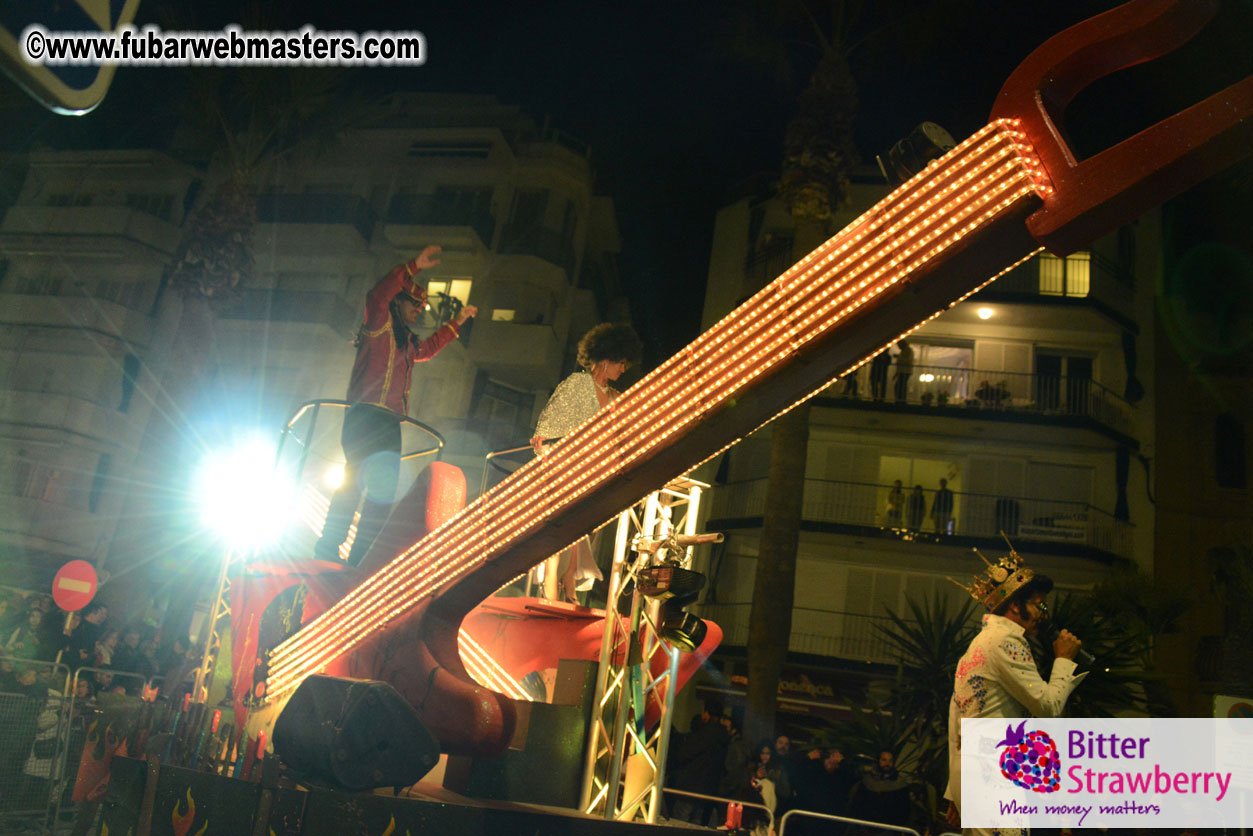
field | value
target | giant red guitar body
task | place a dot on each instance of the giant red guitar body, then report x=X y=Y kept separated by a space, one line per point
x=990 y=203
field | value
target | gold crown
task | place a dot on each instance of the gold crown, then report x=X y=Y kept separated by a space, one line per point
x=1001 y=580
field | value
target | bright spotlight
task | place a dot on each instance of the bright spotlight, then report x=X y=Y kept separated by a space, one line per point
x=334 y=477
x=985 y=313
x=242 y=496
x=926 y=377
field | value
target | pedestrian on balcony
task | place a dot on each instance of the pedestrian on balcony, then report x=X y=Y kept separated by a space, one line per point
x=942 y=509
x=916 y=508
x=378 y=389
x=879 y=374
x=896 y=504
x=904 y=371
x=604 y=353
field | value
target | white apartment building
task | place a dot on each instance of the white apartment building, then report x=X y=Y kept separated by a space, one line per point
x=1018 y=398
x=86 y=323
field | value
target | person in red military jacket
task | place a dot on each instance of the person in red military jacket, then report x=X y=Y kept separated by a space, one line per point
x=379 y=392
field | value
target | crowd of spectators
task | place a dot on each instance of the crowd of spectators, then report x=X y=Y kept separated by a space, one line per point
x=121 y=656
x=713 y=759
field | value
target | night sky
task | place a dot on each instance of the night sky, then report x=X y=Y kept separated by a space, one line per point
x=684 y=102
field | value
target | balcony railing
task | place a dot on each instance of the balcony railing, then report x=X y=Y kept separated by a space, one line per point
x=346 y=209
x=842 y=635
x=974 y=514
x=769 y=263
x=948 y=388
x=1104 y=283
x=429 y=210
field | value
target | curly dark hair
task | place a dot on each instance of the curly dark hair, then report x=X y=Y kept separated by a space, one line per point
x=609 y=341
x=1038 y=585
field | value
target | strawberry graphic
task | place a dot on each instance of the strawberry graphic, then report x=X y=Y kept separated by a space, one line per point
x=1030 y=759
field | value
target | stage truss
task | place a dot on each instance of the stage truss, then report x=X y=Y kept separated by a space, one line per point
x=625 y=762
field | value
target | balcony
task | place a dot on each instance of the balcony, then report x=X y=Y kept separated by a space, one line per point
x=1055 y=525
x=768 y=263
x=317 y=209
x=540 y=242
x=430 y=210
x=293 y=306
x=841 y=635
x=976 y=392
x=89 y=227
x=1082 y=277
x=523 y=355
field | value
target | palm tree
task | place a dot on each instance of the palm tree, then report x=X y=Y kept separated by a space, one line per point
x=928 y=644
x=1145 y=611
x=241 y=122
x=818 y=155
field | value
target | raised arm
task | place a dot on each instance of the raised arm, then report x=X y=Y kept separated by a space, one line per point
x=402 y=277
x=427 y=348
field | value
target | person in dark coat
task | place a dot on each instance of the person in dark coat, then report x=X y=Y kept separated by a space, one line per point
x=883 y=795
x=826 y=783
x=915 y=508
x=699 y=763
x=879 y=368
x=82 y=644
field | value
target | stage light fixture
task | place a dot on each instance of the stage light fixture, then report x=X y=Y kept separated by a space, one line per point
x=676 y=587
x=334 y=477
x=242 y=497
x=906 y=158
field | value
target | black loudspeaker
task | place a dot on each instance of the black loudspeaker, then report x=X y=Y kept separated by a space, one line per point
x=353 y=734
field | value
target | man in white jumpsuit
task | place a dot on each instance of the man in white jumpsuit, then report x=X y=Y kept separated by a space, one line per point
x=997 y=676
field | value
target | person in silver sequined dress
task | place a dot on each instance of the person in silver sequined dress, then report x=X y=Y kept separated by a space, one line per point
x=604 y=354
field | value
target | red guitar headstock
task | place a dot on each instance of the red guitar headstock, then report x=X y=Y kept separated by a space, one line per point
x=1094 y=196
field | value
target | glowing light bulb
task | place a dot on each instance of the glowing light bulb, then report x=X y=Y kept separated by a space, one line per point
x=985 y=313
x=334 y=477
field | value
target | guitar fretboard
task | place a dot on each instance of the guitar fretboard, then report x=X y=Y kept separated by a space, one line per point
x=988 y=177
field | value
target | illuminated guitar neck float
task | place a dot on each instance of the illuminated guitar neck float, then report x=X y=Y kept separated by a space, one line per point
x=992 y=202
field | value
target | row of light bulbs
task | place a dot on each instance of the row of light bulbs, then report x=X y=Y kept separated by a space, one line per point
x=981 y=179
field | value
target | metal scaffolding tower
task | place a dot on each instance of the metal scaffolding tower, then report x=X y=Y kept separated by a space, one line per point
x=625 y=762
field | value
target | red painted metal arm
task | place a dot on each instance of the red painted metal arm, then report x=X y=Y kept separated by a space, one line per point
x=1095 y=196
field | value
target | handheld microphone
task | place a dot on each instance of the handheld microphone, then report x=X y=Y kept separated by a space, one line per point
x=1050 y=631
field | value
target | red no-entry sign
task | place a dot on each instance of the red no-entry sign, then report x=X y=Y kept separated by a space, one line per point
x=74 y=586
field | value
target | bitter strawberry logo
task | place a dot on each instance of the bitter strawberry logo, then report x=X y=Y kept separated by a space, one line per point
x=1030 y=759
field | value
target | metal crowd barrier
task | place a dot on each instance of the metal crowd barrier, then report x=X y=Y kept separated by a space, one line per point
x=31 y=730
x=769 y=813
x=891 y=828
x=78 y=720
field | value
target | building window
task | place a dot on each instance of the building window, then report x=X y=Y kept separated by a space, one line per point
x=1069 y=276
x=528 y=210
x=1063 y=383
x=446 y=299
x=157 y=205
x=501 y=414
x=900 y=511
x=69 y=199
x=456 y=149
x=459 y=289
x=1229 y=453
x=103 y=466
x=130 y=375
x=39 y=286
x=942 y=370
